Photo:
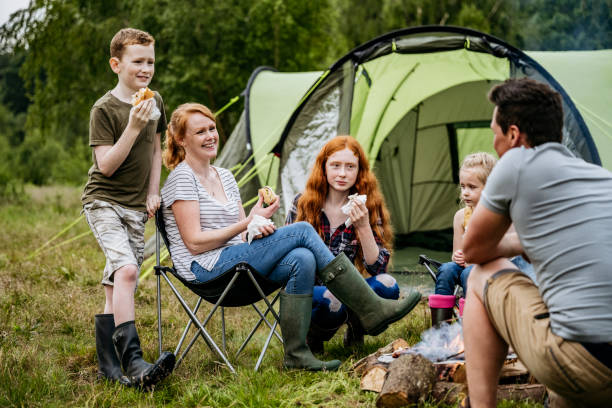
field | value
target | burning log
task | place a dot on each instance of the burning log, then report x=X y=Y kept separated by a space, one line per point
x=410 y=379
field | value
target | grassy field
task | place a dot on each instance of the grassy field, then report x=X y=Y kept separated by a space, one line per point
x=47 y=348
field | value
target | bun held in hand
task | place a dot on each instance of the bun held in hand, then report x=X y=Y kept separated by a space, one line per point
x=142 y=94
x=268 y=195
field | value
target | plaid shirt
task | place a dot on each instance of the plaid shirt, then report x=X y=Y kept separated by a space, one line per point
x=344 y=239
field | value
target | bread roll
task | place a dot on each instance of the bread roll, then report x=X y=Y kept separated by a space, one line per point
x=141 y=95
x=268 y=195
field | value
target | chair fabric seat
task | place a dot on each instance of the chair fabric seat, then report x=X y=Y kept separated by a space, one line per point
x=242 y=292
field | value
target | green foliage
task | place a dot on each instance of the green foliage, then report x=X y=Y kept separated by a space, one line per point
x=54 y=56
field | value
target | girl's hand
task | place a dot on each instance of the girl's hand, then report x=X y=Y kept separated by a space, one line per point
x=267 y=212
x=359 y=215
x=458 y=257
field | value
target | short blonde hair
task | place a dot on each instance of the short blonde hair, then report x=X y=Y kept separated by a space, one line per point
x=481 y=163
x=129 y=36
x=174 y=153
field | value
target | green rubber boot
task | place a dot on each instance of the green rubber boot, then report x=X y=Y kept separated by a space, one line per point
x=294 y=321
x=375 y=313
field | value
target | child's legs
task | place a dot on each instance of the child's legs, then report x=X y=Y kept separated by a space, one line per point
x=448 y=277
x=384 y=285
x=120 y=234
x=327 y=312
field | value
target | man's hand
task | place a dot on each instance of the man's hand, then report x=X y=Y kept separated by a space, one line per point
x=153 y=203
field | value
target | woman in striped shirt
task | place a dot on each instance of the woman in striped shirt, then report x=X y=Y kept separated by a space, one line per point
x=206 y=225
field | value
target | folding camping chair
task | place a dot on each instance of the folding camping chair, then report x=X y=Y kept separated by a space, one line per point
x=433 y=267
x=239 y=286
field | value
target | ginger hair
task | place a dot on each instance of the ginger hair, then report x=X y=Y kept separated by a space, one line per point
x=128 y=36
x=173 y=152
x=311 y=202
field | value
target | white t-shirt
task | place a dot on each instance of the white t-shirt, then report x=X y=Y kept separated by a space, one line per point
x=182 y=184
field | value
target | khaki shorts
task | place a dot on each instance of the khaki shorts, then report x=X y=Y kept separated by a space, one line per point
x=517 y=311
x=120 y=233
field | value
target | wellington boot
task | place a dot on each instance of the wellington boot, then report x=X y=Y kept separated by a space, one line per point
x=109 y=367
x=139 y=372
x=375 y=313
x=317 y=336
x=441 y=307
x=353 y=336
x=294 y=321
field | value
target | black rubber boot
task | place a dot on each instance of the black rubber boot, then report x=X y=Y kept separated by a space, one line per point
x=317 y=336
x=441 y=315
x=109 y=367
x=374 y=312
x=138 y=371
x=294 y=321
x=353 y=336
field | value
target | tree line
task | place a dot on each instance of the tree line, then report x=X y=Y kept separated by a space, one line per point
x=54 y=56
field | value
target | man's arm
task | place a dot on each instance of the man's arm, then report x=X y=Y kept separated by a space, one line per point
x=487 y=239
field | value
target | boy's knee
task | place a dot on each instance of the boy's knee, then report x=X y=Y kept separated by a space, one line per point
x=126 y=274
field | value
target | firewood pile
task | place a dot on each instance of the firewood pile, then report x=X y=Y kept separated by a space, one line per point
x=412 y=378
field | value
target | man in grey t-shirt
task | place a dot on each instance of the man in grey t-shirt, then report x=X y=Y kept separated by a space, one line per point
x=561 y=208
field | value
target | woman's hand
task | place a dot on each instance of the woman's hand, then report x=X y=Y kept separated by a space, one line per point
x=458 y=257
x=266 y=212
x=359 y=215
x=265 y=231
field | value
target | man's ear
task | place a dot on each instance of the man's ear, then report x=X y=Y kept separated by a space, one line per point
x=114 y=64
x=517 y=138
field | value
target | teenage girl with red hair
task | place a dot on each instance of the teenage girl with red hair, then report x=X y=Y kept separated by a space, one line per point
x=341 y=169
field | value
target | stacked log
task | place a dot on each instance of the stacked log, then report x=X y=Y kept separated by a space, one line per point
x=411 y=378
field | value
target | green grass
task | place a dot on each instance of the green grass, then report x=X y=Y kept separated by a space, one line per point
x=47 y=348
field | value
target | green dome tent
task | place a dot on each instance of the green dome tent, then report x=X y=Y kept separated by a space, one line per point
x=416 y=101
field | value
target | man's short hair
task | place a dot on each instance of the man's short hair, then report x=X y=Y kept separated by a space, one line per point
x=128 y=36
x=534 y=107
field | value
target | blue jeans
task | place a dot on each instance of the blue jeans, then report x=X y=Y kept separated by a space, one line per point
x=290 y=256
x=451 y=274
x=329 y=314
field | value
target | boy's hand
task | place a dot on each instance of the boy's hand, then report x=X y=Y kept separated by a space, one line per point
x=458 y=257
x=140 y=114
x=153 y=203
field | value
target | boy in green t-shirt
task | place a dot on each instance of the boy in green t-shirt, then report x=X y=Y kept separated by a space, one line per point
x=122 y=192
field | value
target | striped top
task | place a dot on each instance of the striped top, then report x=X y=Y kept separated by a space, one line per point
x=183 y=184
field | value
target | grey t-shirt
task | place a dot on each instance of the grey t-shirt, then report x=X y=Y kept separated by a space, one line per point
x=561 y=207
x=182 y=184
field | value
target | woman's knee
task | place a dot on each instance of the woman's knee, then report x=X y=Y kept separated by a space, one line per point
x=305 y=227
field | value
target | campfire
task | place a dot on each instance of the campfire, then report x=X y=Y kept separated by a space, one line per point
x=435 y=367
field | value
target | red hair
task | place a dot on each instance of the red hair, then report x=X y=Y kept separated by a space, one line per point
x=174 y=153
x=311 y=202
